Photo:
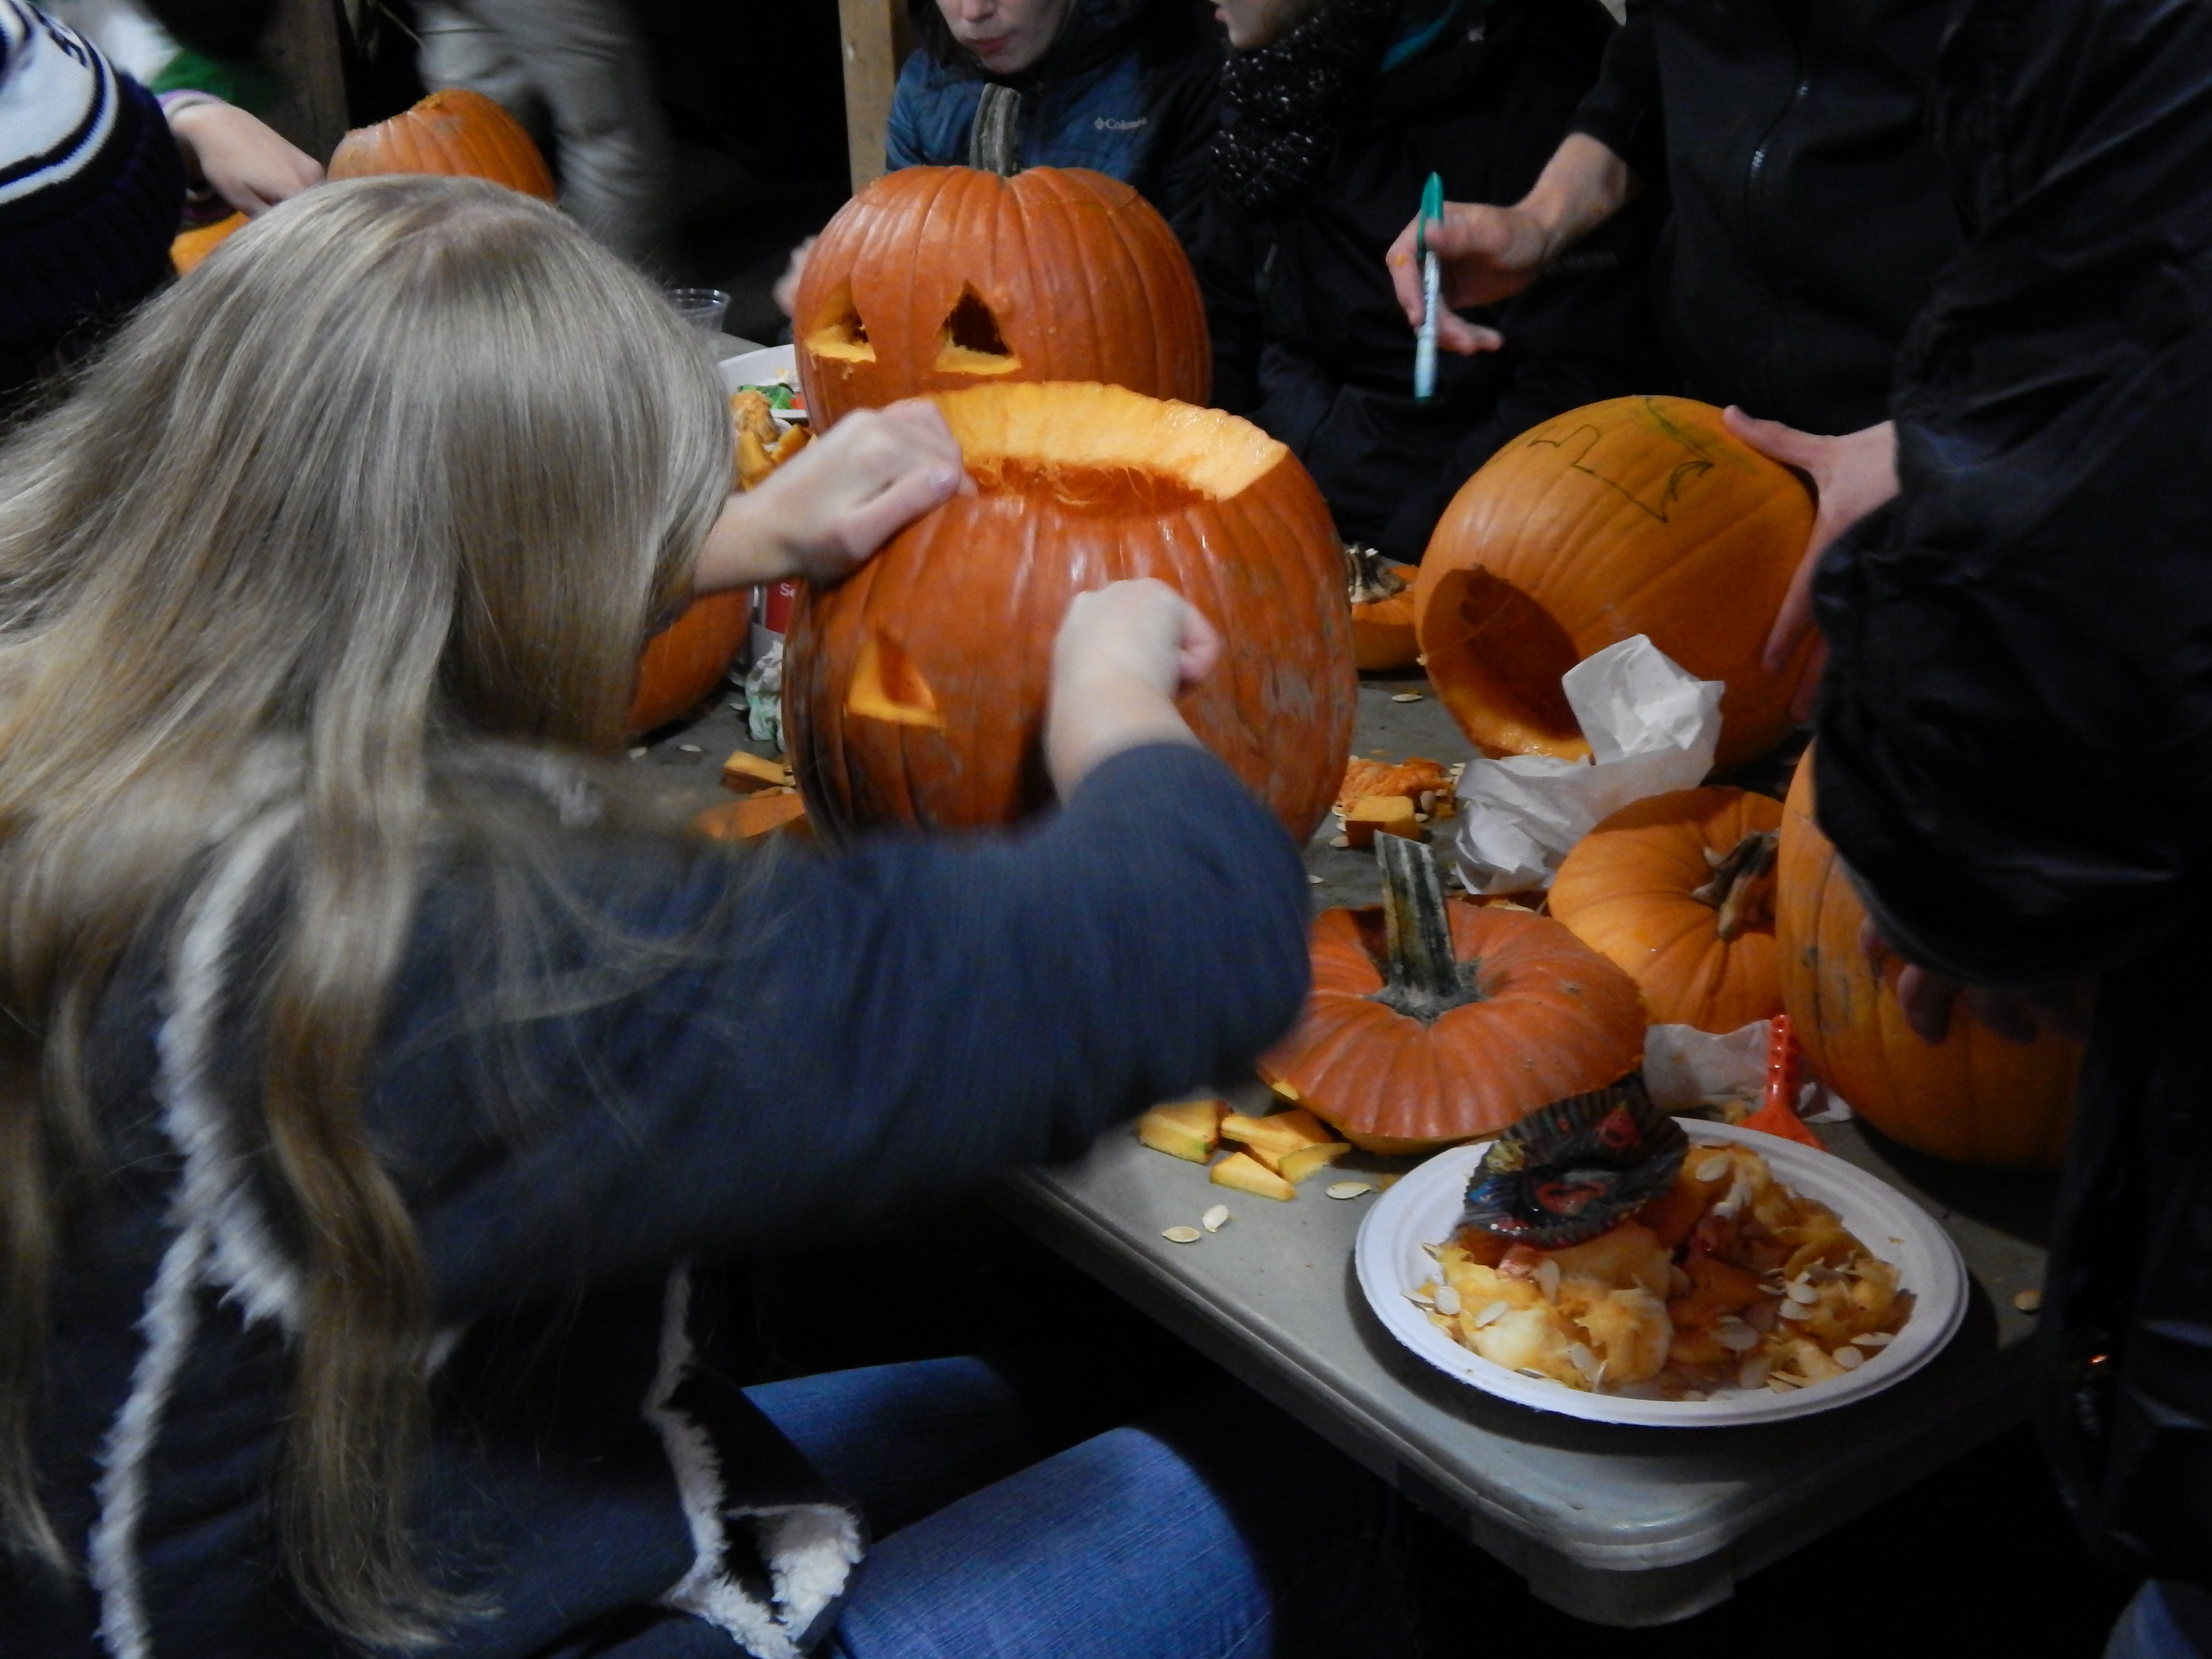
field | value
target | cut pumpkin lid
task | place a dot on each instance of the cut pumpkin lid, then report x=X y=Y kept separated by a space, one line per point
x=1011 y=434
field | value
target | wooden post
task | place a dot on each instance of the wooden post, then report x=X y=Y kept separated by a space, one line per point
x=300 y=47
x=876 y=40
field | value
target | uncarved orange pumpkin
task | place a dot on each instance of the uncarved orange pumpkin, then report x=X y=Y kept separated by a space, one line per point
x=188 y=248
x=1974 y=1098
x=686 y=660
x=935 y=279
x=1543 y=1017
x=453 y=132
x=1639 y=515
x=915 y=690
x=1643 y=889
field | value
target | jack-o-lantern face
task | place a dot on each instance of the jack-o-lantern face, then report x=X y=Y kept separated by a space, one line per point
x=937 y=279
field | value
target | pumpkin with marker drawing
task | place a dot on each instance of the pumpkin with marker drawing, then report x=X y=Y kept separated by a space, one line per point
x=1641 y=515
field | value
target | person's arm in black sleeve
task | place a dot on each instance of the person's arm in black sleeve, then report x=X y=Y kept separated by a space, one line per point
x=880 y=1030
x=1223 y=258
x=2015 y=731
x=1183 y=101
x=1622 y=111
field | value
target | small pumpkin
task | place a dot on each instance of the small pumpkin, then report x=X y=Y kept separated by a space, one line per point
x=915 y=690
x=1382 y=610
x=1678 y=890
x=1639 y=515
x=453 y=132
x=188 y=248
x=936 y=279
x=1973 y=1098
x=1432 y=1022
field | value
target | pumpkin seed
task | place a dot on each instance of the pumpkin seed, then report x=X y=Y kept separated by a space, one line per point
x=1530 y=1370
x=1796 y=1310
x=1735 y=1336
x=1492 y=1313
x=1803 y=1294
x=2029 y=1302
x=1781 y=1384
x=686 y=748
x=1313 y=880
x=1180 y=1235
x=637 y=754
x=1215 y=1219
x=1585 y=1362
x=1339 y=840
x=1447 y=1300
x=1755 y=1371
x=1713 y=1168
x=1848 y=1358
x=1548 y=1280
x=1352 y=1189
x=1874 y=1339
x=1405 y=696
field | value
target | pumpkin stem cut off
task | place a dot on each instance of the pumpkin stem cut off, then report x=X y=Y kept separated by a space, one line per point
x=1425 y=981
x=1742 y=887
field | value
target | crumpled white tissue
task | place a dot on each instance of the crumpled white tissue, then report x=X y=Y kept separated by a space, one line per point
x=1685 y=1068
x=1652 y=726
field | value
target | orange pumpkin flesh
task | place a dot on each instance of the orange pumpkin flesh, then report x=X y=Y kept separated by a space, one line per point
x=453 y=132
x=915 y=690
x=1974 y=1098
x=937 y=279
x=1629 y=889
x=1552 y=1018
x=1640 y=515
x=188 y=248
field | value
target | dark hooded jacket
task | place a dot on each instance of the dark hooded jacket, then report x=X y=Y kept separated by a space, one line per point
x=1809 y=211
x=2016 y=733
x=1309 y=341
x=1126 y=89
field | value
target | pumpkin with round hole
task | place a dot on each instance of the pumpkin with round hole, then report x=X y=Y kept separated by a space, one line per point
x=1434 y=1021
x=1974 y=1097
x=935 y=279
x=915 y=690
x=1639 y=515
x=1678 y=891
x=453 y=132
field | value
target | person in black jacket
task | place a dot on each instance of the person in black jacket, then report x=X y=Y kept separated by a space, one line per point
x=1335 y=115
x=2014 y=753
x=1808 y=214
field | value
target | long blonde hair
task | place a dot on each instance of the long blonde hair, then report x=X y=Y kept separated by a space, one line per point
x=408 y=464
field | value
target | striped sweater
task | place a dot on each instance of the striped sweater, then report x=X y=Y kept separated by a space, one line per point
x=91 y=187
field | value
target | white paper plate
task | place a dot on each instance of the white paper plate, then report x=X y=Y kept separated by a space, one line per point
x=1423 y=1208
x=772 y=366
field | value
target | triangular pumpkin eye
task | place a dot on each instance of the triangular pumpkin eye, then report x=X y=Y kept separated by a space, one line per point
x=841 y=332
x=971 y=343
x=887 y=686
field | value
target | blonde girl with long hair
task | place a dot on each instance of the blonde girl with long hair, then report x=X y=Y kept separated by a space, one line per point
x=368 y=1074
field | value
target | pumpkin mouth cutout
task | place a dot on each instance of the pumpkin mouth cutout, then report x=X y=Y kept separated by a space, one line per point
x=1501 y=655
x=840 y=333
x=887 y=686
x=971 y=343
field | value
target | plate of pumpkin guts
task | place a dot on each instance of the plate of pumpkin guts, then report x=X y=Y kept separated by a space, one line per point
x=1747 y=1280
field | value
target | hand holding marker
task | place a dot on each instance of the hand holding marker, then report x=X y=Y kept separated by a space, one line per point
x=1425 y=347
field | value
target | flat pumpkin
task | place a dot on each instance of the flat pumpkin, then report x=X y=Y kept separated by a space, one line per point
x=1973 y=1098
x=1678 y=891
x=1639 y=515
x=915 y=690
x=937 y=279
x=454 y=133
x=1432 y=1022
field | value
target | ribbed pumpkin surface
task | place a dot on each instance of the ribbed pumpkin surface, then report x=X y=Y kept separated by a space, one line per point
x=454 y=133
x=936 y=279
x=915 y=691
x=1640 y=515
x=1625 y=890
x=1556 y=1020
x=1975 y=1098
x=685 y=660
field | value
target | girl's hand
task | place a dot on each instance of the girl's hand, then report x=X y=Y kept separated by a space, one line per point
x=2020 y=1014
x=240 y=158
x=1122 y=653
x=837 y=501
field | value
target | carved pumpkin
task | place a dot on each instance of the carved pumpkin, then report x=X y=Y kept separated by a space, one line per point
x=453 y=132
x=1431 y=1022
x=1382 y=611
x=1640 y=515
x=1678 y=891
x=1974 y=1098
x=915 y=690
x=936 y=279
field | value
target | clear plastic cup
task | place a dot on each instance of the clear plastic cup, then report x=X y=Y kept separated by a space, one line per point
x=702 y=308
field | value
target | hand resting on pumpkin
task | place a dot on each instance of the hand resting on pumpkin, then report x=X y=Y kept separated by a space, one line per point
x=1122 y=653
x=2017 y=1013
x=837 y=501
x=240 y=158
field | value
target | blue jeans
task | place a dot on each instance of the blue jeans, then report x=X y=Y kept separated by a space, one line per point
x=1214 y=1528
x=2167 y=1620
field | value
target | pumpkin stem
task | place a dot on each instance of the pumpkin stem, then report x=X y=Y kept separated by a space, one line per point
x=1367 y=575
x=1425 y=979
x=1742 y=887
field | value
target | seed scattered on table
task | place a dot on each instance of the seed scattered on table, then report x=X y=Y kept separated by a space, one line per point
x=1215 y=1219
x=1405 y=696
x=637 y=754
x=687 y=748
x=1180 y=1235
x=1349 y=1188
x=1312 y=880
x=2029 y=1302
x=1339 y=840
